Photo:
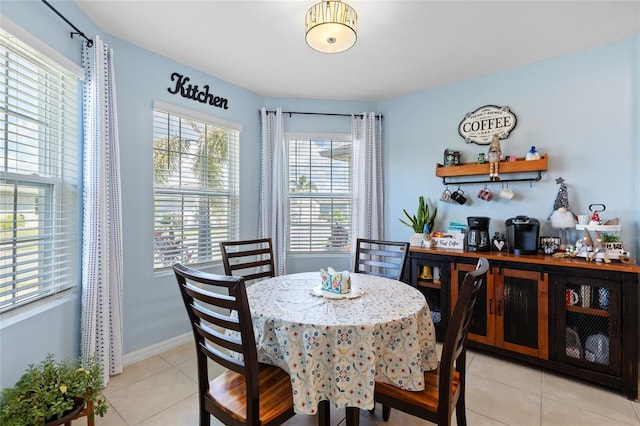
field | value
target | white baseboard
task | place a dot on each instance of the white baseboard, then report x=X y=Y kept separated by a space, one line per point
x=158 y=348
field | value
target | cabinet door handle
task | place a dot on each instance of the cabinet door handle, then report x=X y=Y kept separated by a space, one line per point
x=499 y=310
x=490 y=306
x=615 y=328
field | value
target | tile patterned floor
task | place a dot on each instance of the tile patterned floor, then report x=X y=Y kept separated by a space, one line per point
x=499 y=392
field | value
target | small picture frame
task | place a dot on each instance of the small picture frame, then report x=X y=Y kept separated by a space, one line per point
x=549 y=245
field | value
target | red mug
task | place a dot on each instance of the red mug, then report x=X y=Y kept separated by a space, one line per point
x=571 y=297
x=485 y=194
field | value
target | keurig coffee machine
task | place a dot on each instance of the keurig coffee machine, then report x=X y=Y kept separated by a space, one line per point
x=478 y=234
x=522 y=235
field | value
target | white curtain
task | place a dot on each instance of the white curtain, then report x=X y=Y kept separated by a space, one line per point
x=367 y=220
x=273 y=202
x=101 y=332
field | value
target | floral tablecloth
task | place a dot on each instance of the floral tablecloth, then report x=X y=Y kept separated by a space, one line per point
x=336 y=349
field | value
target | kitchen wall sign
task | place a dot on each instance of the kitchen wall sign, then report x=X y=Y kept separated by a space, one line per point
x=480 y=125
x=190 y=91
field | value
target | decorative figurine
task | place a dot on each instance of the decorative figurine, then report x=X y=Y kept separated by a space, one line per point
x=532 y=154
x=562 y=218
x=494 y=157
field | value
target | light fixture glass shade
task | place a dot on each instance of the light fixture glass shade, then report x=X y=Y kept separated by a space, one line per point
x=331 y=26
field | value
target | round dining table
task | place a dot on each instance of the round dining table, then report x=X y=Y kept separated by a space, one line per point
x=335 y=347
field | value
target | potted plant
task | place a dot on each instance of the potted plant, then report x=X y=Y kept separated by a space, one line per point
x=52 y=390
x=423 y=222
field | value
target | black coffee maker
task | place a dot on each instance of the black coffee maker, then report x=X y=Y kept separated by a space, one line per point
x=478 y=233
x=522 y=235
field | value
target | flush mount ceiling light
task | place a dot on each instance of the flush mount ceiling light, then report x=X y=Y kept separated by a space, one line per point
x=331 y=27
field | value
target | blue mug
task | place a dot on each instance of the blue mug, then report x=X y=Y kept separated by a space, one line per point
x=603 y=297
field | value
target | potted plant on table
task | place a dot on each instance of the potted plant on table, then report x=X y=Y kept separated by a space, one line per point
x=52 y=390
x=422 y=223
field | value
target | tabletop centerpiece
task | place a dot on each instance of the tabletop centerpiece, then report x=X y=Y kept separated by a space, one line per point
x=335 y=282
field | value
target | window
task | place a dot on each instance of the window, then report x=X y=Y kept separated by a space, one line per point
x=195 y=177
x=319 y=176
x=39 y=226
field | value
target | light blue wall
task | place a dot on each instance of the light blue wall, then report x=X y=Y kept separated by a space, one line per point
x=581 y=109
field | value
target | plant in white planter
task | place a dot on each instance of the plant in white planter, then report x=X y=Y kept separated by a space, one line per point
x=425 y=215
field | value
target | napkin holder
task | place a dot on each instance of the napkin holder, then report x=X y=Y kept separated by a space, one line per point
x=335 y=282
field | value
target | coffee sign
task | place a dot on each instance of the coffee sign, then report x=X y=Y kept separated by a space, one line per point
x=480 y=125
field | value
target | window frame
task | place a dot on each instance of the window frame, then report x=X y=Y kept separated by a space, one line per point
x=343 y=246
x=41 y=122
x=177 y=238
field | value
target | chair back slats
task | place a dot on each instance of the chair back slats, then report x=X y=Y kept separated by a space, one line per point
x=223 y=321
x=256 y=252
x=382 y=258
x=223 y=358
x=216 y=299
x=224 y=340
x=251 y=259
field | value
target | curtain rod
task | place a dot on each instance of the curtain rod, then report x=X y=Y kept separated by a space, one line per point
x=77 y=32
x=320 y=113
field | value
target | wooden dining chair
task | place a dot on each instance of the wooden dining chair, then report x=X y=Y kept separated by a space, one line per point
x=247 y=393
x=382 y=258
x=251 y=259
x=445 y=386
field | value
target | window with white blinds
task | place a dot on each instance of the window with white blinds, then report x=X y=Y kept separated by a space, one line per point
x=39 y=229
x=195 y=177
x=319 y=176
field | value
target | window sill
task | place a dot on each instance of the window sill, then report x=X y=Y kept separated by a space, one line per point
x=14 y=316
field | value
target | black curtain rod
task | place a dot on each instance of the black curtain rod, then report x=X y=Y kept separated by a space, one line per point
x=77 y=32
x=320 y=113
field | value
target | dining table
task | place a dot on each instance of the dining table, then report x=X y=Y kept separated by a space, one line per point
x=336 y=346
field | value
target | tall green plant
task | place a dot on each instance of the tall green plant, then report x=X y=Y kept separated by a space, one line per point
x=425 y=215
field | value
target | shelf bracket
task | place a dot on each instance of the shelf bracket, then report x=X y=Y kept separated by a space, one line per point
x=485 y=181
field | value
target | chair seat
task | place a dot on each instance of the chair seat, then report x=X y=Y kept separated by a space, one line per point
x=228 y=393
x=426 y=399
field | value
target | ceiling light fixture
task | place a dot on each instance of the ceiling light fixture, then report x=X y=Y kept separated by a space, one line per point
x=331 y=27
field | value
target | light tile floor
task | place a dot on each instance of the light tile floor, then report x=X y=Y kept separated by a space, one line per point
x=161 y=391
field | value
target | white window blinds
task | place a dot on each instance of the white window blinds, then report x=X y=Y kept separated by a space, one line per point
x=39 y=229
x=195 y=175
x=319 y=176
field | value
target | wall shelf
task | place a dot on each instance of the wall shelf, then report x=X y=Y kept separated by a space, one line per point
x=603 y=228
x=506 y=167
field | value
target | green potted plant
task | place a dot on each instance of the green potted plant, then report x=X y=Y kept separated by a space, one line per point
x=51 y=390
x=425 y=215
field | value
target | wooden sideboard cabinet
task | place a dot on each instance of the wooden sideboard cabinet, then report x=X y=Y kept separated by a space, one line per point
x=571 y=316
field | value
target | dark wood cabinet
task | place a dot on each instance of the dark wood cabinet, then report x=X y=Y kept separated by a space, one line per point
x=511 y=311
x=568 y=315
x=596 y=334
x=588 y=328
x=522 y=311
x=432 y=278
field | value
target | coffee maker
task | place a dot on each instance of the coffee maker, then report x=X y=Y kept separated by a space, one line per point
x=522 y=235
x=478 y=233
